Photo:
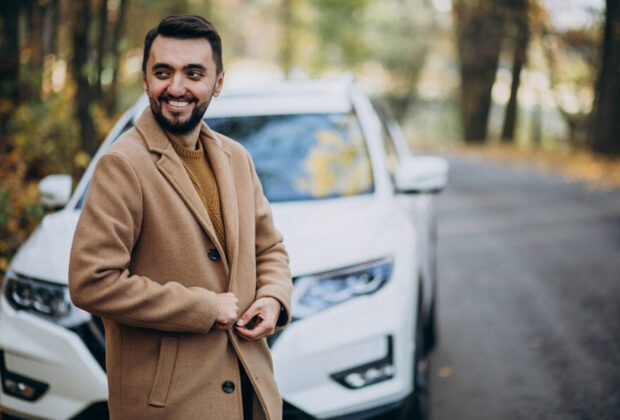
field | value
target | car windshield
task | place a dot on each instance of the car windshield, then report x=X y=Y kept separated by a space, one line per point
x=302 y=156
x=305 y=156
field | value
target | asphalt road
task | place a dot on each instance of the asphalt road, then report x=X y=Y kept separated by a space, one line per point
x=529 y=297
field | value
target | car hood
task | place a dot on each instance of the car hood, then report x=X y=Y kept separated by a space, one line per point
x=45 y=255
x=322 y=235
x=319 y=235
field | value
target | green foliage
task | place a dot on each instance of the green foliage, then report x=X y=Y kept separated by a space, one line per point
x=19 y=210
x=42 y=139
x=339 y=27
x=6 y=209
x=399 y=38
x=45 y=134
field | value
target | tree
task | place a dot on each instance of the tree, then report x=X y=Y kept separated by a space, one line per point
x=102 y=26
x=9 y=64
x=286 y=43
x=83 y=94
x=520 y=41
x=605 y=137
x=110 y=99
x=479 y=29
x=338 y=28
x=399 y=35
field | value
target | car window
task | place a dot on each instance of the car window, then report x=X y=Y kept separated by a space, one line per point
x=305 y=156
x=302 y=157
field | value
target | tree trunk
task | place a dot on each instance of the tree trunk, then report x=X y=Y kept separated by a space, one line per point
x=479 y=32
x=605 y=137
x=520 y=58
x=537 y=124
x=102 y=25
x=9 y=64
x=48 y=34
x=31 y=77
x=110 y=102
x=83 y=96
x=286 y=46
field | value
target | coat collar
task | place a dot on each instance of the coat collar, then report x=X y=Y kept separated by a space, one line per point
x=171 y=166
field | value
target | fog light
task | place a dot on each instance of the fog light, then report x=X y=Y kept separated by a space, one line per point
x=355 y=380
x=19 y=386
x=368 y=373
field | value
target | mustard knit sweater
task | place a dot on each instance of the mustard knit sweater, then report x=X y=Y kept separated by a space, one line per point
x=199 y=169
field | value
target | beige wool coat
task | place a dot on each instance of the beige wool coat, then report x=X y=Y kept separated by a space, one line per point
x=143 y=258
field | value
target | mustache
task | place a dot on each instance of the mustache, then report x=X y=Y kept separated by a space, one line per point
x=186 y=97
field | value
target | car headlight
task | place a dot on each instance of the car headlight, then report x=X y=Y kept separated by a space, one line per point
x=314 y=293
x=45 y=299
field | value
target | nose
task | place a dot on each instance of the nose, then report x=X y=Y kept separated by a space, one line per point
x=176 y=87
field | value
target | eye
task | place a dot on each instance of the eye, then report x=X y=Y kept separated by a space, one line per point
x=194 y=74
x=160 y=74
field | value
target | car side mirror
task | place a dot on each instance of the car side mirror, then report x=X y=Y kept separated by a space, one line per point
x=55 y=190
x=421 y=174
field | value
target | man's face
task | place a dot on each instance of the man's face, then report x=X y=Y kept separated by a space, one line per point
x=180 y=81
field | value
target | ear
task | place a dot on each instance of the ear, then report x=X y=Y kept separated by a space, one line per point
x=144 y=84
x=219 y=82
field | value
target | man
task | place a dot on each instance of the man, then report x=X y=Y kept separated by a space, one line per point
x=176 y=250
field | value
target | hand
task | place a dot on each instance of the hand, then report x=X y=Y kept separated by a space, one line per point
x=259 y=320
x=227 y=307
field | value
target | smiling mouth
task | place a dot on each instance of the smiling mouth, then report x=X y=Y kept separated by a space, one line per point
x=178 y=103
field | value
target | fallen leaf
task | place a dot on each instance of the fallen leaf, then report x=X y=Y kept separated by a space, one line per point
x=445 y=372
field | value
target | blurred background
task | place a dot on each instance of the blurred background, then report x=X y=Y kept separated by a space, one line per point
x=528 y=263
x=536 y=76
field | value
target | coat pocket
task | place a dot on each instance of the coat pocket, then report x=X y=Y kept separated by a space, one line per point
x=165 y=369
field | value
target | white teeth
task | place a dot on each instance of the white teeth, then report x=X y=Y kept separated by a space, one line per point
x=177 y=103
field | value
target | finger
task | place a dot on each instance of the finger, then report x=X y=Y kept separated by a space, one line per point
x=224 y=325
x=248 y=335
x=261 y=330
x=248 y=315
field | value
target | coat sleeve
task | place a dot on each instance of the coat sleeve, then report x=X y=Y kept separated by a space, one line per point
x=273 y=276
x=99 y=279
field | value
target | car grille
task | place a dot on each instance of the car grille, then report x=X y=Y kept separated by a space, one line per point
x=97 y=411
x=93 y=336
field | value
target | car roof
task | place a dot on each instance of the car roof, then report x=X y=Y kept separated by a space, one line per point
x=286 y=97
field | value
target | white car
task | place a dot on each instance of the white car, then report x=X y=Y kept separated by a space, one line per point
x=355 y=209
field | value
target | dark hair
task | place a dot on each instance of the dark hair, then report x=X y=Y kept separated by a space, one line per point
x=185 y=27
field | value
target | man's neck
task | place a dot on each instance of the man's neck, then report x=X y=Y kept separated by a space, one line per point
x=188 y=140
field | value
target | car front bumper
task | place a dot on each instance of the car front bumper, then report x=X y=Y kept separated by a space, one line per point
x=41 y=351
x=369 y=334
x=364 y=335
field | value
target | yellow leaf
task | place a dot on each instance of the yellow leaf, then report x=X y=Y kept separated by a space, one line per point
x=445 y=372
x=81 y=159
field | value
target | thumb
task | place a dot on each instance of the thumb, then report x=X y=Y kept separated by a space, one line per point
x=248 y=315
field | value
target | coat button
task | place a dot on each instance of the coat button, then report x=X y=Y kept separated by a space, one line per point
x=213 y=254
x=228 y=387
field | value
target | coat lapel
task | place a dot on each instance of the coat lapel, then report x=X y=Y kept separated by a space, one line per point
x=171 y=167
x=222 y=169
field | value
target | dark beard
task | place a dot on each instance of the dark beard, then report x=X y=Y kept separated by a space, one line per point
x=178 y=127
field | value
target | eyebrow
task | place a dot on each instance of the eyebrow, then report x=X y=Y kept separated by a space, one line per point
x=192 y=66
x=195 y=67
